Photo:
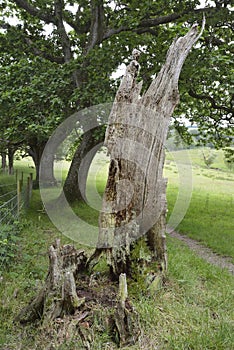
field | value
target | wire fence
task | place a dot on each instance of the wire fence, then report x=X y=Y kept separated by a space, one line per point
x=7 y=185
x=6 y=194
x=13 y=200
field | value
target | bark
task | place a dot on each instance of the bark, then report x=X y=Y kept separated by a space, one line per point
x=97 y=24
x=135 y=140
x=125 y=318
x=11 y=152
x=45 y=169
x=4 y=164
x=75 y=185
x=58 y=296
x=65 y=41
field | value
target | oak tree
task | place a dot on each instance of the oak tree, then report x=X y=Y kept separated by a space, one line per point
x=94 y=37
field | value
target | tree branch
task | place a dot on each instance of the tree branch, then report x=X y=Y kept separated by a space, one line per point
x=75 y=23
x=212 y=101
x=57 y=20
x=40 y=53
x=97 y=24
x=49 y=17
x=147 y=25
x=32 y=46
x=34 y=11
x=58 y=6
x=146 y=30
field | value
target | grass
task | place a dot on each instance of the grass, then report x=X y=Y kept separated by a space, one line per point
x=212 y=221
x=195 y=310
x=209 y=217
x=192 y=311
x=196 y=157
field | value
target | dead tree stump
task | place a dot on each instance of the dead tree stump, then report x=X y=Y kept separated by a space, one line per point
x=134 y=203
x=134 y=206
x=58 y=296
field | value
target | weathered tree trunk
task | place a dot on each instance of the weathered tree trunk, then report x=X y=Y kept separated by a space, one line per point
x=134 y=203
x=75 y=185
x=132 y=221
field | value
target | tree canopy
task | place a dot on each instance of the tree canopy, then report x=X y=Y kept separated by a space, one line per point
x=58 y=56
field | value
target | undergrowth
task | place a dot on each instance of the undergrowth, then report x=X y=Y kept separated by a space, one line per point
x=193 y=309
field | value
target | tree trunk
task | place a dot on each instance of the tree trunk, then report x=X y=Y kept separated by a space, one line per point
x=46 y=173
x=47 y=170
x=35 y=153
x=134 y=203
x=75 y=185
x=4 y=164
x=11 y=152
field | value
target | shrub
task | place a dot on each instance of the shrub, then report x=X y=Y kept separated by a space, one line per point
x=208 y=157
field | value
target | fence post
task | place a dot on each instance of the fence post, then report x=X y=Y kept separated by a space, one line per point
x=31 y=185
x=27 y=193
x=19 y=190
x=16 y=175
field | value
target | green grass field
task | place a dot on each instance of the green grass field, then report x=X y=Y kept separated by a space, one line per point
x=194 y=310
x=209 y=217
x=210 y=214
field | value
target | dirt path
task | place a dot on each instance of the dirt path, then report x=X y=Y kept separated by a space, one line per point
x=204 y=252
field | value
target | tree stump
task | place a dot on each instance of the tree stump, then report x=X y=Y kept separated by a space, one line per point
x=58 y=296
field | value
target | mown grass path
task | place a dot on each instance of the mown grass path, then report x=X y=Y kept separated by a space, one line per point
x=206 y=253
